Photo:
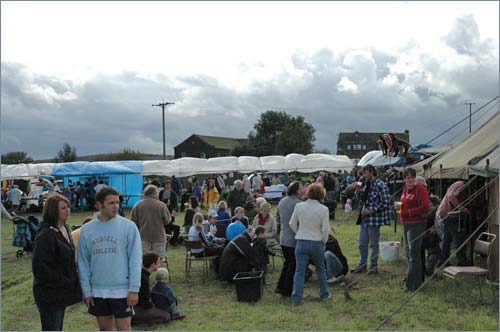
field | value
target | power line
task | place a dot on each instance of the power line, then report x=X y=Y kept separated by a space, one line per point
x=459 y=122
x=474 y=122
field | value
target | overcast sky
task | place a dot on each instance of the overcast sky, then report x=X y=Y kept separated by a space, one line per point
x=88 y=72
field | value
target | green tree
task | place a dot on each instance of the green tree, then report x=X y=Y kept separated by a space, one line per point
x=244 y=150
x=277 y=132
x=16 y=157
x=66 y=154
x=126 y=154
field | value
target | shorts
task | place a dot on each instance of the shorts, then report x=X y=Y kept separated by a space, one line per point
x=107 y=307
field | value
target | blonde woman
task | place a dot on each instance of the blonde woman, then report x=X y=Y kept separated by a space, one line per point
x=196 y=234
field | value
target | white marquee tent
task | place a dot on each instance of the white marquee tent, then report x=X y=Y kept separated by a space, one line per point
x=323 y=162
x=190 y=166
x=376 y=158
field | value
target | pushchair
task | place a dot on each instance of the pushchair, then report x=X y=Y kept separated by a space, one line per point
x=24 y=234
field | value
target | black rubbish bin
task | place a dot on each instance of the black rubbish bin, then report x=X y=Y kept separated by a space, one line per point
x=249 y=286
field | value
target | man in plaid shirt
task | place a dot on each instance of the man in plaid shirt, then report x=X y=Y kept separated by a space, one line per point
x=376 y=210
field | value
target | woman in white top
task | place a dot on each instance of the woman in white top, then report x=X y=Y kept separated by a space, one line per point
x=310 y=222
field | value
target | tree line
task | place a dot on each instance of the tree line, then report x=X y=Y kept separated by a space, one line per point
x=275 y=133
x=68 y=154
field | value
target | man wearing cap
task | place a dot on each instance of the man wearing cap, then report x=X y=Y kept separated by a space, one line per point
x=376 y=210
x=210 y=228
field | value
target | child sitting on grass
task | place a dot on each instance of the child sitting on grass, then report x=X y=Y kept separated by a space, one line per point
x=145 y=312
x=163 y=296
x=260 y=251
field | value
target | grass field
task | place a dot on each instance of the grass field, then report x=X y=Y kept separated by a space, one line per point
x=211 y=304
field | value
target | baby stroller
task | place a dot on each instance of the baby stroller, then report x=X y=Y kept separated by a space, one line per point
x=24 y=234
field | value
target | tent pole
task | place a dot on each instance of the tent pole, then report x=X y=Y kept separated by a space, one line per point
x=395 y=214
x=124 y=183
x=486 y=168
x=440 y=181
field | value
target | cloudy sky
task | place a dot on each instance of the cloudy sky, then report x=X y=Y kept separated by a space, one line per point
x=88 y=72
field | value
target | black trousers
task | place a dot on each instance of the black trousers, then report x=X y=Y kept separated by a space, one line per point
x=175 y=229
x=285 y=283
x=51 y=318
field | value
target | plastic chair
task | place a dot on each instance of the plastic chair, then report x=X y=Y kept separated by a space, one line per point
x=481 y=248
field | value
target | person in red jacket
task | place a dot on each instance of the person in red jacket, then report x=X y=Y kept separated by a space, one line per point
x=414 y=208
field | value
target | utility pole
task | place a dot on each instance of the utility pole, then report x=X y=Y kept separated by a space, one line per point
x=470 y=115
x=163 y=105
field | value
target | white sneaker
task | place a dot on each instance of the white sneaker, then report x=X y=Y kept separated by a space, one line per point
x=332 y=280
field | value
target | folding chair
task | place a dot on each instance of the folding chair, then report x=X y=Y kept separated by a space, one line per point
x=165 y=260
x=190 y=258
x=482 y=248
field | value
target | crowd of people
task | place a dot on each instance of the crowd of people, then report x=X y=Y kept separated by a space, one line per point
x=241 y=232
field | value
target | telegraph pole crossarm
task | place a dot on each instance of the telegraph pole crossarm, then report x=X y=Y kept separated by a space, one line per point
x=163 y=105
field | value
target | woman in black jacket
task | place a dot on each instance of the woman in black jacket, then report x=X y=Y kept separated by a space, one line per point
x=55 y=284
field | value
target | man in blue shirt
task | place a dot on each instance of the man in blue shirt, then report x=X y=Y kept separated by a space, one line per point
x=109 y=262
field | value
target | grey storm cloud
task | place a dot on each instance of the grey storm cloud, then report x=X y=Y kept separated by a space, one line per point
x=464 y=36
x=358 y=89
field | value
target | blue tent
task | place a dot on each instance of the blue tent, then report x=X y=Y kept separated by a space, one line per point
x=125 y=176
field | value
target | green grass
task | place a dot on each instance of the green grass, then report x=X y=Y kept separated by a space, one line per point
x=211 y=304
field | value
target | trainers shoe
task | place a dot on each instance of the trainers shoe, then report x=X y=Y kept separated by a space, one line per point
x=332 y=280
x=178 y=316
x=359 y=269
x=373 y=270
x=327 y=298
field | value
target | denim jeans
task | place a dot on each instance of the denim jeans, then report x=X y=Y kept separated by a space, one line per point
x=369 y=234
x=51 y=318
x=451 y=230
x=304 y=251
x=412 y=237
x=333 y=265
